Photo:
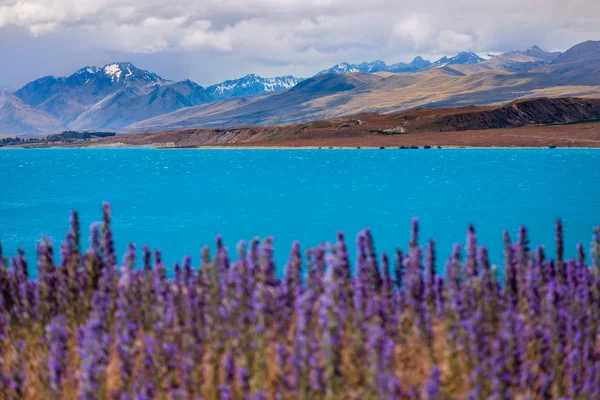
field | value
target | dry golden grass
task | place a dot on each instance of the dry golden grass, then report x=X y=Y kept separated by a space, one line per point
x=413 y=362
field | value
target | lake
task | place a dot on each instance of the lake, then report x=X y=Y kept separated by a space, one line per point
x=178 y=200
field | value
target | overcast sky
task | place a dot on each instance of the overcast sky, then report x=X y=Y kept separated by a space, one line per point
x=212 y=40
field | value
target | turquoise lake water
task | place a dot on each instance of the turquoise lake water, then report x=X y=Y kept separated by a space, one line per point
x=178 y=200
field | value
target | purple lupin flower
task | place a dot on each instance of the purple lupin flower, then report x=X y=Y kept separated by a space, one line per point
x=543 y=344
x=371 y=259
x=16 y=381
x=281 y=356
x=260 y=395
x=315 y=267
x=93 y=355
x=414 y=233
x=387 y=287
x=388 y=300
x=300 y=354
x=398 y=268
x=168 y=357
x=93 y=263
x=360 y=282
x=221 y=257
x=534 y=301
x=188 y=272
x=126 y=324
x=4 y=321
x=575 y=369
x=244 y=380
x=229 y=367
x=440 y=298
x=46 y=281
x=146 y=258
x=73 y=240
x=430 y=280
x=145 y=388
x=107 y=245
x=267 y=262
x=341 y=253
x=471 y=248
x=330 y=324
x=126 y=351
x=500 y=373
x=381 y=380
x=595 y=250
x=56 y=336
x=65 y=276
x=315 y=370
x=292 y=275
x=432 y=386
x=511 y=279
x=192 y=346
x=225 y=392
x=5 y=292
x=591 y=386
x=559 y=250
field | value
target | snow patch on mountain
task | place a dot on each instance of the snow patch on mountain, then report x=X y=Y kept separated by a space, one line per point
x=487 y=56
x=113 y=71
x=222 y=88
x=251 y=85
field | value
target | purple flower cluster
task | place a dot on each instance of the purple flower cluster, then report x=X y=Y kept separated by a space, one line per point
x=232 y=329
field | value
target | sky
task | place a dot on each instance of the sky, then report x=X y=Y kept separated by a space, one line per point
x=209 y=41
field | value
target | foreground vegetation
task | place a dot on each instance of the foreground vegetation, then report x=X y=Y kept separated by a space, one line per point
x=88 y=328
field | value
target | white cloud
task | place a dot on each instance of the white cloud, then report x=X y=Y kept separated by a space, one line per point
x=449 y=41
x=415 y=30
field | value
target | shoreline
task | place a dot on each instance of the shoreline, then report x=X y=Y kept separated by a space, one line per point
x=275 y=147
x=577 y=136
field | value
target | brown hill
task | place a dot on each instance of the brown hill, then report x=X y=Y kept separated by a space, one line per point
x=337 y=96
x=535 y=122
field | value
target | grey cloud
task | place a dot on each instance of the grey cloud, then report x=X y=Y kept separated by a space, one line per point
x=211 y=40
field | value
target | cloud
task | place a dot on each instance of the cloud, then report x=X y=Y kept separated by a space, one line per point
x=449 y=41
x=415 y=30
x=225 y=38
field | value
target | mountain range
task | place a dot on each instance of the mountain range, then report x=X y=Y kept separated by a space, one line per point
x=117 y=95
x=121 y=97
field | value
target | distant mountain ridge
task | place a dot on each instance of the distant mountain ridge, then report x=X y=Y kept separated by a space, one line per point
x=516 y=61
x=534 y=57
x=462 y=58
x=122 y=97
x=250 y=85
x=336 y=95
x=120 y=94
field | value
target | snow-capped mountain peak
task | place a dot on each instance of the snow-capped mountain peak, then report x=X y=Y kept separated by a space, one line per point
x=123 y=72
x=487 y=56
x=87 y=71
x=462 y=58
x=250 y=85
x=344 y=68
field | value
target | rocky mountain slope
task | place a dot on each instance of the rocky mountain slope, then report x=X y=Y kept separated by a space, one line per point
x=516 y=61
x=17 y=117
x=119 y=94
